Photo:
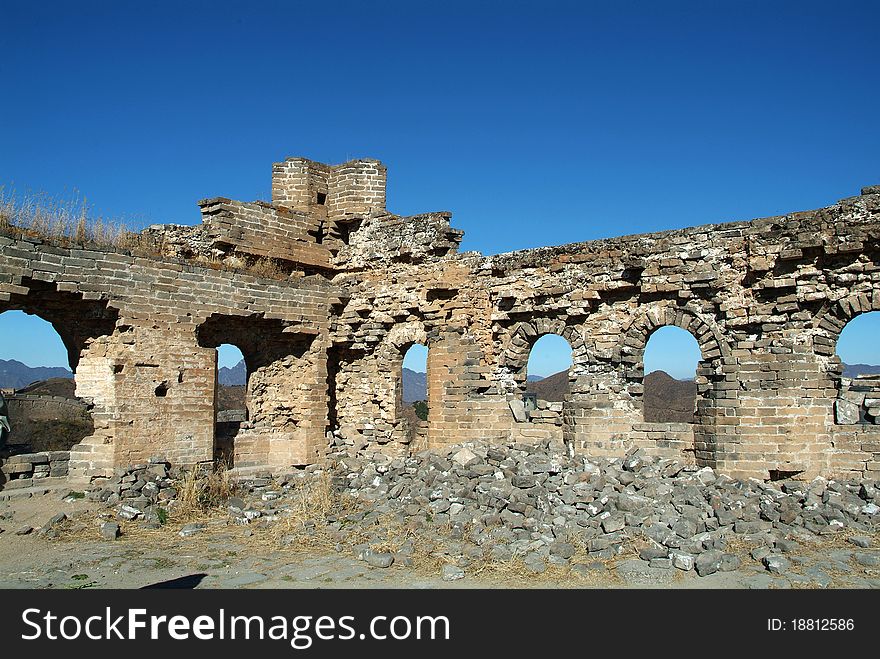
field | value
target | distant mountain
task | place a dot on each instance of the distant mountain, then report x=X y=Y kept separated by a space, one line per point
x=662 y=391
x=669 y=400
x=415 y=386
x=233 y=377
x=552 y=388
x=17 y=375
x=854 y=370
x=231 y=397
x=666 y=399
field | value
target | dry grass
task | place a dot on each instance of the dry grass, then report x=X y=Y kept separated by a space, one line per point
x=264 y=267
x=200 y=493
x=267 y=268
x=63 y=221
x=69 y=221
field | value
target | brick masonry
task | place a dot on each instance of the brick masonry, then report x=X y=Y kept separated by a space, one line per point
x=355 y=286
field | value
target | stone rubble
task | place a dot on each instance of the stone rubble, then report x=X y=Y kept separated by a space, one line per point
x=543 y=506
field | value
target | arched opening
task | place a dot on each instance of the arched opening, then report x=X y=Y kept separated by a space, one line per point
x=858 y=400
x=412 y=395
x=230 y=406
x=285 y=406
x=670 y=365
x=38 y=386
x=547 y=379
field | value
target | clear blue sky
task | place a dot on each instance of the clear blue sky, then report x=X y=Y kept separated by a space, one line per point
x=535 y=123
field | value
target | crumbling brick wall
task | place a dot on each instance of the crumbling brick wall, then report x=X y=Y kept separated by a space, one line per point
x=65 y=420
x=356 y=285
x=756 y=296
x=132 y=325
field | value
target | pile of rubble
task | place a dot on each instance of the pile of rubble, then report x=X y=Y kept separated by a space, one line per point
x=544 y=507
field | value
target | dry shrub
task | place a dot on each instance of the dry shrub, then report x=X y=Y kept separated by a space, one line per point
x=267 y=268
x=201 y=492
x=305 y=526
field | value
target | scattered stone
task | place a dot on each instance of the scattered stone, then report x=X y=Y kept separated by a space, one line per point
x=451 y=573
x=639 y=573
x=466 y=457
x=760 y=553
x=110 y=530
x=776 y=563
x=540 y=503
x=534 y=563
x=589 y=569
x=730 y=562
x=650 y=553
x=518 y=409
x=129 y=512
x=759 y=582
x=846 y=412
x=378 y=559
x=866 y=559
x=787 y=546
x=613 y=523
x=860 y=541
x=562 y=549
x=706 y=476
x=682 y=561
x=708 y=563
x=191 y=529
x=56 y=519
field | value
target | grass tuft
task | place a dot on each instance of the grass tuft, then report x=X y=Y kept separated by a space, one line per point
x=63 y=221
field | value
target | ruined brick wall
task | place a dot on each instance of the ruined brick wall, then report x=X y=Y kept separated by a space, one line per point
x=259 y=229
x=236 y=234
x=766 y=301
x=136 y=331
x=337 y=197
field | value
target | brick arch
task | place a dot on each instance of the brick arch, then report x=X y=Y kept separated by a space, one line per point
x=402 y=337
x=631 y=351
x=389 y=384
x=524 y=335
x=75 y=319
x=832 y=322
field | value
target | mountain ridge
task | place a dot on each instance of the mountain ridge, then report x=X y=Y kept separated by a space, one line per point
x=17 y=375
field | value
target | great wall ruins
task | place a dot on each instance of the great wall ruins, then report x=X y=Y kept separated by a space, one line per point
x=353 y=286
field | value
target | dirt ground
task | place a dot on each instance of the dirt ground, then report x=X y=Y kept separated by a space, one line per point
x=73 y=556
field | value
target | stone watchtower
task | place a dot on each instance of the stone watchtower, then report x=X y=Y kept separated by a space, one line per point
x=339 y=196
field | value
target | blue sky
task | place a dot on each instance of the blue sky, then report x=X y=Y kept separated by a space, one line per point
x=534 y=123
